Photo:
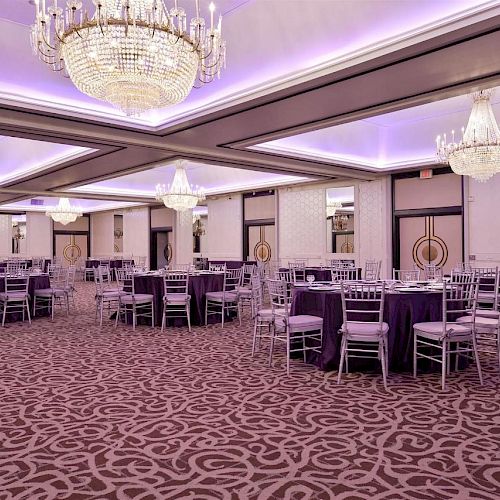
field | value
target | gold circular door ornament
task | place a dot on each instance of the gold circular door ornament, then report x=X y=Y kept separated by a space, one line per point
x=167 y=253
x=72 y=252
x=430 y=248
x=262 y=250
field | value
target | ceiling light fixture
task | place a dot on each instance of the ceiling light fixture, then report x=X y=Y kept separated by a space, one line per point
x=64 y=213
x=331 y=207
x=478 y=153
x=180 y=195
x=135 y=54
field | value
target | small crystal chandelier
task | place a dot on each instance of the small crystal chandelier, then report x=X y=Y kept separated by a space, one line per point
x=331 y=207
x=64 y=213
x=180 y=195
x=478 y=153
x=135 y=54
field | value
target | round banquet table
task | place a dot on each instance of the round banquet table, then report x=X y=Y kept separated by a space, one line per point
x=401 y=311
x=199 y=285
x=36 y=282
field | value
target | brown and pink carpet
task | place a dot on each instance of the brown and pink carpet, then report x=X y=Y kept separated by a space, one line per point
x=99 y=413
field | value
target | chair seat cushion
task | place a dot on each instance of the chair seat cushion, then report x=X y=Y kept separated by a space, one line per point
x=176 y=298
x=486 y=313
x=48 y=292
x=300 y=323
x=480 y=321
x=364 y=330
x=14 y=296
x=490 y=296
x=222 y=296
x=245 y=292
x=434 y=329
x=265 y=314
x=138 y=298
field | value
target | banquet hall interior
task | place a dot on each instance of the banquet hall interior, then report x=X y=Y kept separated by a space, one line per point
x=249 y=249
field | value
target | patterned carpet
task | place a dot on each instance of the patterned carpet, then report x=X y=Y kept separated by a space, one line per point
x=90 y=413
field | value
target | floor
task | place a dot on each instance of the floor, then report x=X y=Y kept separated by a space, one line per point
x=99 y=413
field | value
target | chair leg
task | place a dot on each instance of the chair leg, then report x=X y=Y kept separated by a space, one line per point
x=4 y=313
x=498 y=347
x=53 y=305
x=206 y=314
x=304 y=347
x=28 y=311
x=414 y=354
x=118 y=312
x=476 y=358
x=188 y=314
x=34 y=306
x=254 y=341
x=342 y=357
x=444 y=359
x=271 y=348
x=223 y=313
x=134 y=318
x=163 y=319
x=383 y=361
x=152 y=314
x=288 y=340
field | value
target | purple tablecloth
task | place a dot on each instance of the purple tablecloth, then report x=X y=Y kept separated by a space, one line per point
x=35 y=283
x=401 y=311
x=233 y=264
x=198 y=287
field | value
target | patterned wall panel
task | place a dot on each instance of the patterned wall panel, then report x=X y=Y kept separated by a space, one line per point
x=302 y=222
x=372 y=221
x=5 y=234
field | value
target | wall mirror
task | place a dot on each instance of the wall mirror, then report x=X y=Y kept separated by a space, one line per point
x=340 y=220
x=19 y=234
x=200 y=226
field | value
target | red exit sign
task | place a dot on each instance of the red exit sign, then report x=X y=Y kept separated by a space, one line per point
x=426 y=173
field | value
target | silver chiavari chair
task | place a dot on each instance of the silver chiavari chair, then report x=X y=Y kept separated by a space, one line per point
x=15 y=297
x=220 y=303
x=439 y=337
x=406 y=274
x=364 y=332
x=372 y=270
x=56 y=295
x=339 y=275
x=176 y=298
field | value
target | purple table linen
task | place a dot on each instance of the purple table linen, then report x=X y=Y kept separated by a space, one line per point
x=401 y=311
x=198 y=287
x=320 y=274
x=233 y=264
x=35 y=283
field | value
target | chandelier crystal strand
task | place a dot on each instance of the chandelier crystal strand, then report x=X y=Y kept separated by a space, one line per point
x=478 y=152
x=135 y=54
x=180 y=196
x=64 y=213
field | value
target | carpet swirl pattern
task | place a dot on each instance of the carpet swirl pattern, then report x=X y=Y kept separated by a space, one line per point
x=99 y=413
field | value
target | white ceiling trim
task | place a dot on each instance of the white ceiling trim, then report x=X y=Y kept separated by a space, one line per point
x=97 y=208
x=40 y=167
x=346 y=161
x=411 y=37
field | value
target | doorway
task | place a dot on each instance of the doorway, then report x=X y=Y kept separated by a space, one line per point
x=161 y=248
x=260 y=242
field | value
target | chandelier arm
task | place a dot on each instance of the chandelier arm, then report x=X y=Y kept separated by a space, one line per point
x=45 y=40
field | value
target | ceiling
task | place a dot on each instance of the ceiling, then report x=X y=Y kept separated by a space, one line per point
x=314 y=91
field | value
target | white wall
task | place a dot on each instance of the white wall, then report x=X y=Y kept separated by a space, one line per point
x=5 y=234
x=183 y=251
x=136 y=232
x=38 y=234
x=483 y=221
x=101 y=238
x=225 y=240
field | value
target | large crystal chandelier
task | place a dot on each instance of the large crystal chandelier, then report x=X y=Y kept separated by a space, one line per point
x=64 y=213
x=180 y=195
x=332 y=206
x=135 y=54
x=478 y=152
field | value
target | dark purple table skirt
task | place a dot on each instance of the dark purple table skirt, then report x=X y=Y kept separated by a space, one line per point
x=233 y=264
x=198 y=287
x=320 y=274
x=35 y=283
x=401 y=311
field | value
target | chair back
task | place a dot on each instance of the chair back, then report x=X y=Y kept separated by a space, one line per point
x=406 y=274
x=257 y=293
x=279 y=296
x=297 y=274
x=176 y=282
x=482 y=272
x=14 y=267
x=232 y=280
x=363 y=303
x=488 y=292
x=248 y=271
x=461 y=277
x=59 y=279
x=217 y=267
x=459 y=299
x=344 y=274
x=372 y=270
x=284 y=275
x=16 y=284
x=71 y=276
x=432 y=272
x=53 y=269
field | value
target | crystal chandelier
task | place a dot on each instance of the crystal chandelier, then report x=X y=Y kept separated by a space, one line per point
x=64 y=213
x=331 y=207
x=180 y=195
x=478 y=153
x=135 y=54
